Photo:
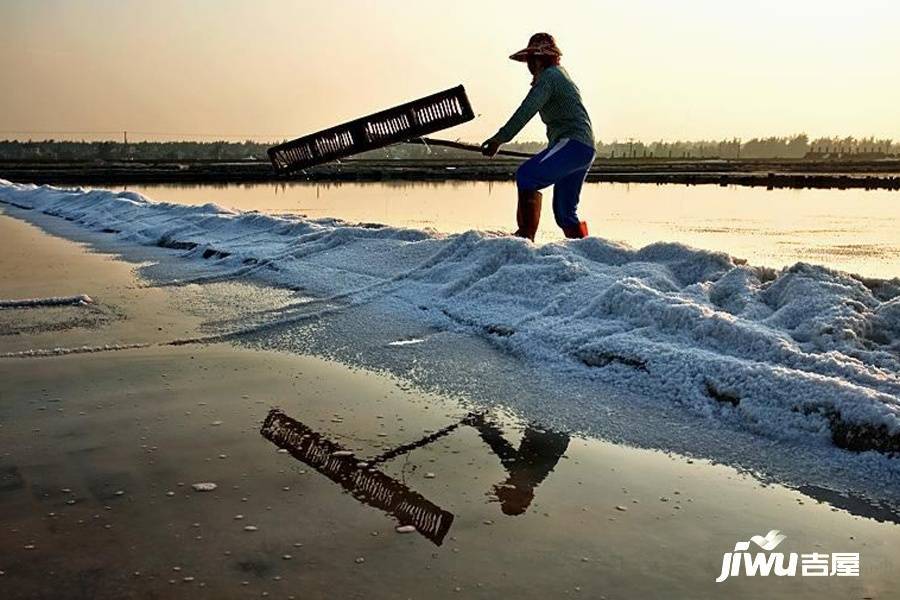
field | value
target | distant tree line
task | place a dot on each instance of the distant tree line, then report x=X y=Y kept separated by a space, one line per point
x=791 y=147
x=112 y=151
x=797 y=146
x=55 y=150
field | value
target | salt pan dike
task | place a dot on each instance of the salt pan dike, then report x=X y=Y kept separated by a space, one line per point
x=803 y=353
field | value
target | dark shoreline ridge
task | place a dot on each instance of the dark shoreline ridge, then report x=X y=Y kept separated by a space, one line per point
x=861 y=174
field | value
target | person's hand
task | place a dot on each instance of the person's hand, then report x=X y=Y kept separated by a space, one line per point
x=490 y=148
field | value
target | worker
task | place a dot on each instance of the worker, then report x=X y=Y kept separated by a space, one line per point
x=566 y=160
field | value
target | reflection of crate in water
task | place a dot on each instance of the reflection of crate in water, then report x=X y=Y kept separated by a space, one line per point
x=407 y=121
x=362 y=480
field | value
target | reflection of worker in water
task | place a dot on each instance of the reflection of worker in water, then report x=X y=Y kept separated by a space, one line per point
x=528 y=466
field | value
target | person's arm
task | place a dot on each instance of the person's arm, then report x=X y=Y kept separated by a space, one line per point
x=533 y=102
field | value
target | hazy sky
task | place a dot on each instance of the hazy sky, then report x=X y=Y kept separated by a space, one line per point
x=658 y=69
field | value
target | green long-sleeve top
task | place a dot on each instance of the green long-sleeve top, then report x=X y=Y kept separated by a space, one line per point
x=556 y=97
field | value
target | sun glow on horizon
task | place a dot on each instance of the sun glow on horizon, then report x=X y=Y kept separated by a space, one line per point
x=647 y=70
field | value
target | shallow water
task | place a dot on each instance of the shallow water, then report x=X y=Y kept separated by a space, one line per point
x=103 y=448
x=852 y=230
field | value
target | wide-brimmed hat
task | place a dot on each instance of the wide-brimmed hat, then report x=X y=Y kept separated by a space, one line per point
x=540 y=44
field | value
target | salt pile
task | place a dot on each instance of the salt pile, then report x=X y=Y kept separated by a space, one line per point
x=803 y=350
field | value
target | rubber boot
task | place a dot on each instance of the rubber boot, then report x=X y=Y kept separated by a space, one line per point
x=528 y=214
x=577 y=232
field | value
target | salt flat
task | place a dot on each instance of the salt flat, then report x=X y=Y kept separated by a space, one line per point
x=534 y=502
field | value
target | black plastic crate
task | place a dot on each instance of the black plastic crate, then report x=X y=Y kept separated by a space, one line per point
x=407 y=121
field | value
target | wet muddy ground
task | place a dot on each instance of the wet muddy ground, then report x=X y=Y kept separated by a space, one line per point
x=335 y=481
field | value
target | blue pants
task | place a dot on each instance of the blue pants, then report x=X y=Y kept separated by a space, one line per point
x=564 y=166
